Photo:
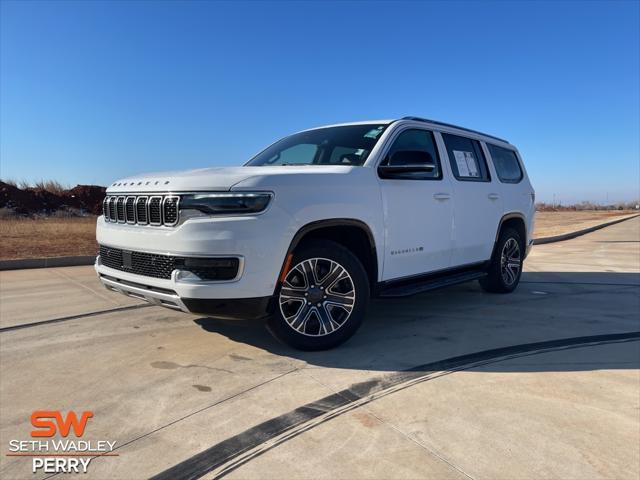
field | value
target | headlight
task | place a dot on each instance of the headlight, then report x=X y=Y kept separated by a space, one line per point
x=226 y=203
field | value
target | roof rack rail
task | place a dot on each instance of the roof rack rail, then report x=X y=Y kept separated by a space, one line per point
x=435 y=122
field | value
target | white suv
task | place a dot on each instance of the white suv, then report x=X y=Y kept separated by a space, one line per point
x=317 y=223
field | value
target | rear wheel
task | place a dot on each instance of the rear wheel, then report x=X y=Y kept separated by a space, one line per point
x=323 y=298
x=505 y=268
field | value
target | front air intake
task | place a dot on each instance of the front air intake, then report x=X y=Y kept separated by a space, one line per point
x=161 y=266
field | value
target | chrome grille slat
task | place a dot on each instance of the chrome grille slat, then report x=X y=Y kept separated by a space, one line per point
x=155 y=210
x=120 y=209
x=112 y=209
x=170 y=210
x=129 y=210
x=141 y=210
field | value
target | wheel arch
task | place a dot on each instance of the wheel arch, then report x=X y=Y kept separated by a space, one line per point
x=515 y=220
x=353 y=234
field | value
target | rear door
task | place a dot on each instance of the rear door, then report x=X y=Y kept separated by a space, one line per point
x=418 y=211
x=477 y=200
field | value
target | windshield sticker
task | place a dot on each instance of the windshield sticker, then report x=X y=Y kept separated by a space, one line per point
x=466 y=163
x=374 y=133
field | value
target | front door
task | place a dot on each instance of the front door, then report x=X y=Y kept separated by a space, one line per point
x=418 y=211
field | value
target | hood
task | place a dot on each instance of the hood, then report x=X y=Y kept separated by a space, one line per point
x=213 y=179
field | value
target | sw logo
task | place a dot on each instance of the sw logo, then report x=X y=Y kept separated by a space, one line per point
x=50 y=422
x=42 y=419
x=61 y=454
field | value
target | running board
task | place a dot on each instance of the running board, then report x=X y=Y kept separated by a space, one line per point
x=426 y=284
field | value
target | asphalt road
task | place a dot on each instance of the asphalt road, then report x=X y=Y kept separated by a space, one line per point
x=457 y=383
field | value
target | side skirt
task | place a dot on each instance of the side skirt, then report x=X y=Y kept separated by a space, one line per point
x=404 y=287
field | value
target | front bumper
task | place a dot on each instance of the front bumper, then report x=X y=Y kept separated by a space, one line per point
x=261 y=242
x=157 y=296
x=228 y=308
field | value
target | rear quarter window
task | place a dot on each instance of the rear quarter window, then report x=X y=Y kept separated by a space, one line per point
x=506 y=163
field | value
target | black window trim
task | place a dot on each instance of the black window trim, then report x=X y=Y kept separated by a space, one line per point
x=389 y=143
x=478 y=143
x=514 y=182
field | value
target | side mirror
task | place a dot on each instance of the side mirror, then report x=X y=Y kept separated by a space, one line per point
x=407 y=161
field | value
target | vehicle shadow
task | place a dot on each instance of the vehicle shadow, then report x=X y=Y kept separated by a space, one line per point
x=407 y=333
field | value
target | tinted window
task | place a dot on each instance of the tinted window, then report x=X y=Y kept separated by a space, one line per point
x=345 y=156
x=416 y=140
x=346 y=145
x=467 y=161
x=506 y=163
x=300 y=154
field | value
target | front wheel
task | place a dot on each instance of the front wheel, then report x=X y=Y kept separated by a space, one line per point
x=323 y=298
x=505 y=268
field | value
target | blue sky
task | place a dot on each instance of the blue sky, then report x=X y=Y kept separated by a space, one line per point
x=92 y=91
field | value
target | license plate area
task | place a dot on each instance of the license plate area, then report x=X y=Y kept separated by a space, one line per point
x=127 y=262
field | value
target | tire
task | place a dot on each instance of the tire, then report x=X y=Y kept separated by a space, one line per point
x=505 y=267
x=323 y=299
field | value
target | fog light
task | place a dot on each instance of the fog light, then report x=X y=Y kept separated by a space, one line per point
x=183 y=275
x=212 y=268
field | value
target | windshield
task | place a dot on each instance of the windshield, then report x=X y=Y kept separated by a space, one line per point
x=346 y=145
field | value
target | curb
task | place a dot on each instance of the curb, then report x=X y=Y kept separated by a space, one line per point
x=90 y=259
x=47 y=262
x=577 y=233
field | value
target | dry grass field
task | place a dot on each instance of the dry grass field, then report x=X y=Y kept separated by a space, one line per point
x=53 y=237
x=549 y=224
x=47 y=237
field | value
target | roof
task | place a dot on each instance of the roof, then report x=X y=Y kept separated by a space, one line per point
x=435 y=122
x=415 y=119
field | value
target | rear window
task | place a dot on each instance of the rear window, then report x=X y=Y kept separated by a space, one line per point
x=466 y=158
x=506 y=163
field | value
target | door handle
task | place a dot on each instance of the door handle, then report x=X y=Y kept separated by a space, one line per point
x=441 y=196
x=493 y=196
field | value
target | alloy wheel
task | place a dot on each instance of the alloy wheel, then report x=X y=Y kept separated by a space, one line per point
x=317 y=297
x=510 y=261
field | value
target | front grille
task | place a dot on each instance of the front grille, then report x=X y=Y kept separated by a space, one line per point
x=153 y=210
x=161 y=266
x=120 y=209
x=129 y=209
x=141 y=210
x=112 y=209
x=170 y=210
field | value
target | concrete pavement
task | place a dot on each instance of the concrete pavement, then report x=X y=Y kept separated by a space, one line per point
x=167 y=386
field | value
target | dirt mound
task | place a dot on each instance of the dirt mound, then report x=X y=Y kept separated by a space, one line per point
x=86 y=197
x=81 y=199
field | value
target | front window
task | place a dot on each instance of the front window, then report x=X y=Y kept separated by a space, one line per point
x=346 y=145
